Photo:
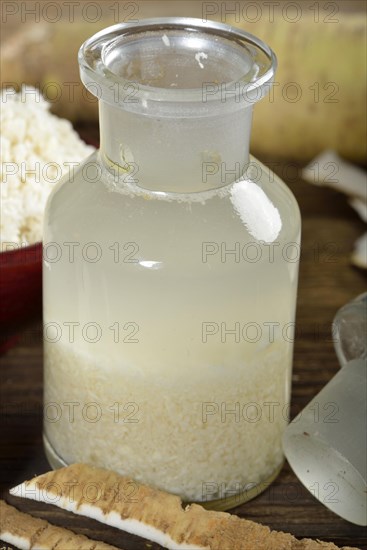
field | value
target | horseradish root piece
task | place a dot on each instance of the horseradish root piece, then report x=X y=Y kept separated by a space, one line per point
x=123 y=503
x=26 y=532
x=329 y=115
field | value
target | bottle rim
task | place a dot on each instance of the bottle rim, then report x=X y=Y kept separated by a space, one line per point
x=115 y=89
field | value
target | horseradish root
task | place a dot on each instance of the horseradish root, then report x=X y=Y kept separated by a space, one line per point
x=122 y=503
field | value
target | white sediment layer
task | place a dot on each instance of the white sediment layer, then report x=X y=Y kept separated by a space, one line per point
x=202 y=437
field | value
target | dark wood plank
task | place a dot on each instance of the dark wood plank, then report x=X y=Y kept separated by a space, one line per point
x=327 y=281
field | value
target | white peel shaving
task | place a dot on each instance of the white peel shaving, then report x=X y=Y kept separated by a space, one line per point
x=256 y=70
x=360 y=207
x=359 y=256
x=328 y=169
x=257 y=212
x=332 y=171
x=199 y=56
x=166 y=40
x=19 y=542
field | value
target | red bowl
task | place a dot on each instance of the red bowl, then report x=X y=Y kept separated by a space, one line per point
x=21 y=276
x=20 y=290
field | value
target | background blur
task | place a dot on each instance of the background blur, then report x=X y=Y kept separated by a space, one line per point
x=320 y=91
x=137 y=9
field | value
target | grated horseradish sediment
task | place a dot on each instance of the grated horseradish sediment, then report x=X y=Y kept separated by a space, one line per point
x=203 y=439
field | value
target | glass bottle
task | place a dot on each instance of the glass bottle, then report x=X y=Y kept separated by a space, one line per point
x=170 y=270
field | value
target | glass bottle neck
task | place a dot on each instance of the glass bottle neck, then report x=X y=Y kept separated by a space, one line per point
x=175 y=154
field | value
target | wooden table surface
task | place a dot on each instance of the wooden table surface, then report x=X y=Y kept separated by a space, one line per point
x=327 y=281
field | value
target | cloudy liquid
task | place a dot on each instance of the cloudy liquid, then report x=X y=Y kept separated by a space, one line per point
x=167 y=316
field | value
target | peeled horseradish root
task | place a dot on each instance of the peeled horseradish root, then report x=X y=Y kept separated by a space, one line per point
x=319 y=90
x=154 y=514
x=317 y=102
